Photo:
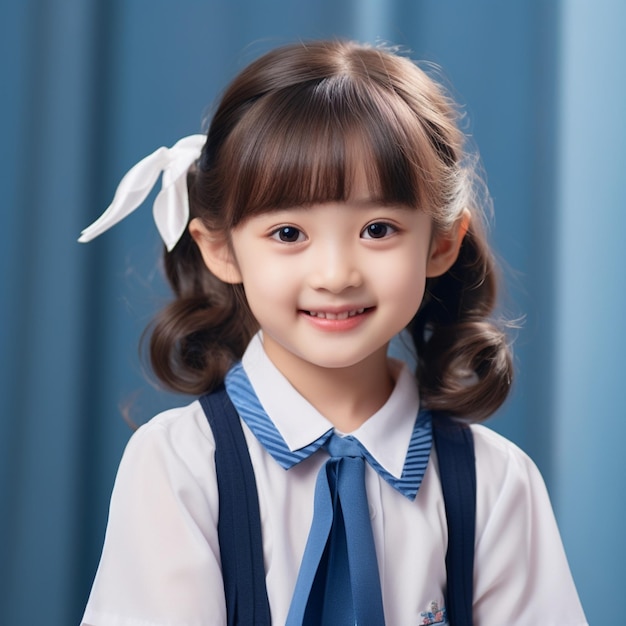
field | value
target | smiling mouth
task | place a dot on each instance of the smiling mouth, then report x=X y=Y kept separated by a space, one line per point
x=343 y=315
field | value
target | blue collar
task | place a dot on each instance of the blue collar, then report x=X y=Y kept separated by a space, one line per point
x=248 y=406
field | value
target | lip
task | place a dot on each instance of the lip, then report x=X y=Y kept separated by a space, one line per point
x=337 y=319
x=336 y=315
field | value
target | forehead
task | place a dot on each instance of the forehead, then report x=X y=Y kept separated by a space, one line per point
x=312 y=145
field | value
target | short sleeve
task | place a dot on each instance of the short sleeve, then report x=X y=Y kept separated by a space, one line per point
x=522 y=577
x=160 y=562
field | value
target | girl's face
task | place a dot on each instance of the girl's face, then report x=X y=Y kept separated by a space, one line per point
x=330 y=284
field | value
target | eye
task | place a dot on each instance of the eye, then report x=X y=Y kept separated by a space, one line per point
x=377 y=230
x=288 y=234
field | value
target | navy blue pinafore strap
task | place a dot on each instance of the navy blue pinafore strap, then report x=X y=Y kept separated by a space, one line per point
x=457 y=472
x=239 y=526
x=239 y=523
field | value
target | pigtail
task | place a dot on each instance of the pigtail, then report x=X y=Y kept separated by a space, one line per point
x=464 y=358
x=196 y=338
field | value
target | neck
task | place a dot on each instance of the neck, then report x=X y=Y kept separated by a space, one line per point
x=348 y=396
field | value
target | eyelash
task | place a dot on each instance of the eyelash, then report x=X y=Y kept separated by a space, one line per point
x=291 y=234
x=389 y=229
x=285 y=230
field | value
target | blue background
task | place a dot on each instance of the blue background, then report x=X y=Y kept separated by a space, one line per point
x=89 y=87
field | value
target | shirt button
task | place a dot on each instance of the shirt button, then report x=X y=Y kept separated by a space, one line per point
x=372 y=511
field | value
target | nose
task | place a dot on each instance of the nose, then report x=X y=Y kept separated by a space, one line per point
x=335 y=268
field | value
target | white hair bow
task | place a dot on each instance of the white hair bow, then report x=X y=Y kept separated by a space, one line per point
x=171 y=207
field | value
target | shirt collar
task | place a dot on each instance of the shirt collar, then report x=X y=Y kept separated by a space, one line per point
x=386 y=434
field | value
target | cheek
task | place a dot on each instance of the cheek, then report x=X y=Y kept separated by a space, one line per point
x=403 y=280
x=267 y=286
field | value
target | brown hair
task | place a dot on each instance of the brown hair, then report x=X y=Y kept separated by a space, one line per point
x=290 y=130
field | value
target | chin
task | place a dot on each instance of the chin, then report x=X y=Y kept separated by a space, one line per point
x=338 y=361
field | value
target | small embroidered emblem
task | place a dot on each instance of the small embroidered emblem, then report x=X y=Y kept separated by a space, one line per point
x=435 y=615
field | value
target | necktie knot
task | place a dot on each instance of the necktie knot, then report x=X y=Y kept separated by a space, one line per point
x=342 y=447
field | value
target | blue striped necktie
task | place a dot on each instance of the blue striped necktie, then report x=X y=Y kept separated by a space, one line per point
x=338 y=583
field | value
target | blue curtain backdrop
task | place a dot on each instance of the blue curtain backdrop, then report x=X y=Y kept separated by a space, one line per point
x=89 y=87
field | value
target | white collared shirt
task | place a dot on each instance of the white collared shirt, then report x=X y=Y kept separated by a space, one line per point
x=161 y=563
x=386 y=434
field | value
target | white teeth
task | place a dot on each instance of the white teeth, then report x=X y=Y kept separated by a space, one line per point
x=336 y=316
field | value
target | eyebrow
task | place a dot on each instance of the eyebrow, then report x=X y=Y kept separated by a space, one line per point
x=357 y=202
x=365 y=203
x=374 y=203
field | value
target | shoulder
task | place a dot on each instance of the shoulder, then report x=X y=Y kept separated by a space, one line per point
x=507 y=480
x=494 y=439
x=176 y=441
x=181 y=427
x=161 y=549
x=168 y=466
x=496 y=454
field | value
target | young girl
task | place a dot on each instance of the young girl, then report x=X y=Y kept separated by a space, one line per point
x=330 y=207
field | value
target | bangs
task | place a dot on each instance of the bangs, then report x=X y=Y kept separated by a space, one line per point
x=306 y=144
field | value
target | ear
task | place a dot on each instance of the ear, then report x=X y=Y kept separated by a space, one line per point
x=216 y=252
x=444 y=248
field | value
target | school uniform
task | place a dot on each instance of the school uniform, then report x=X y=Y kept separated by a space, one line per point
x=161 y=559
